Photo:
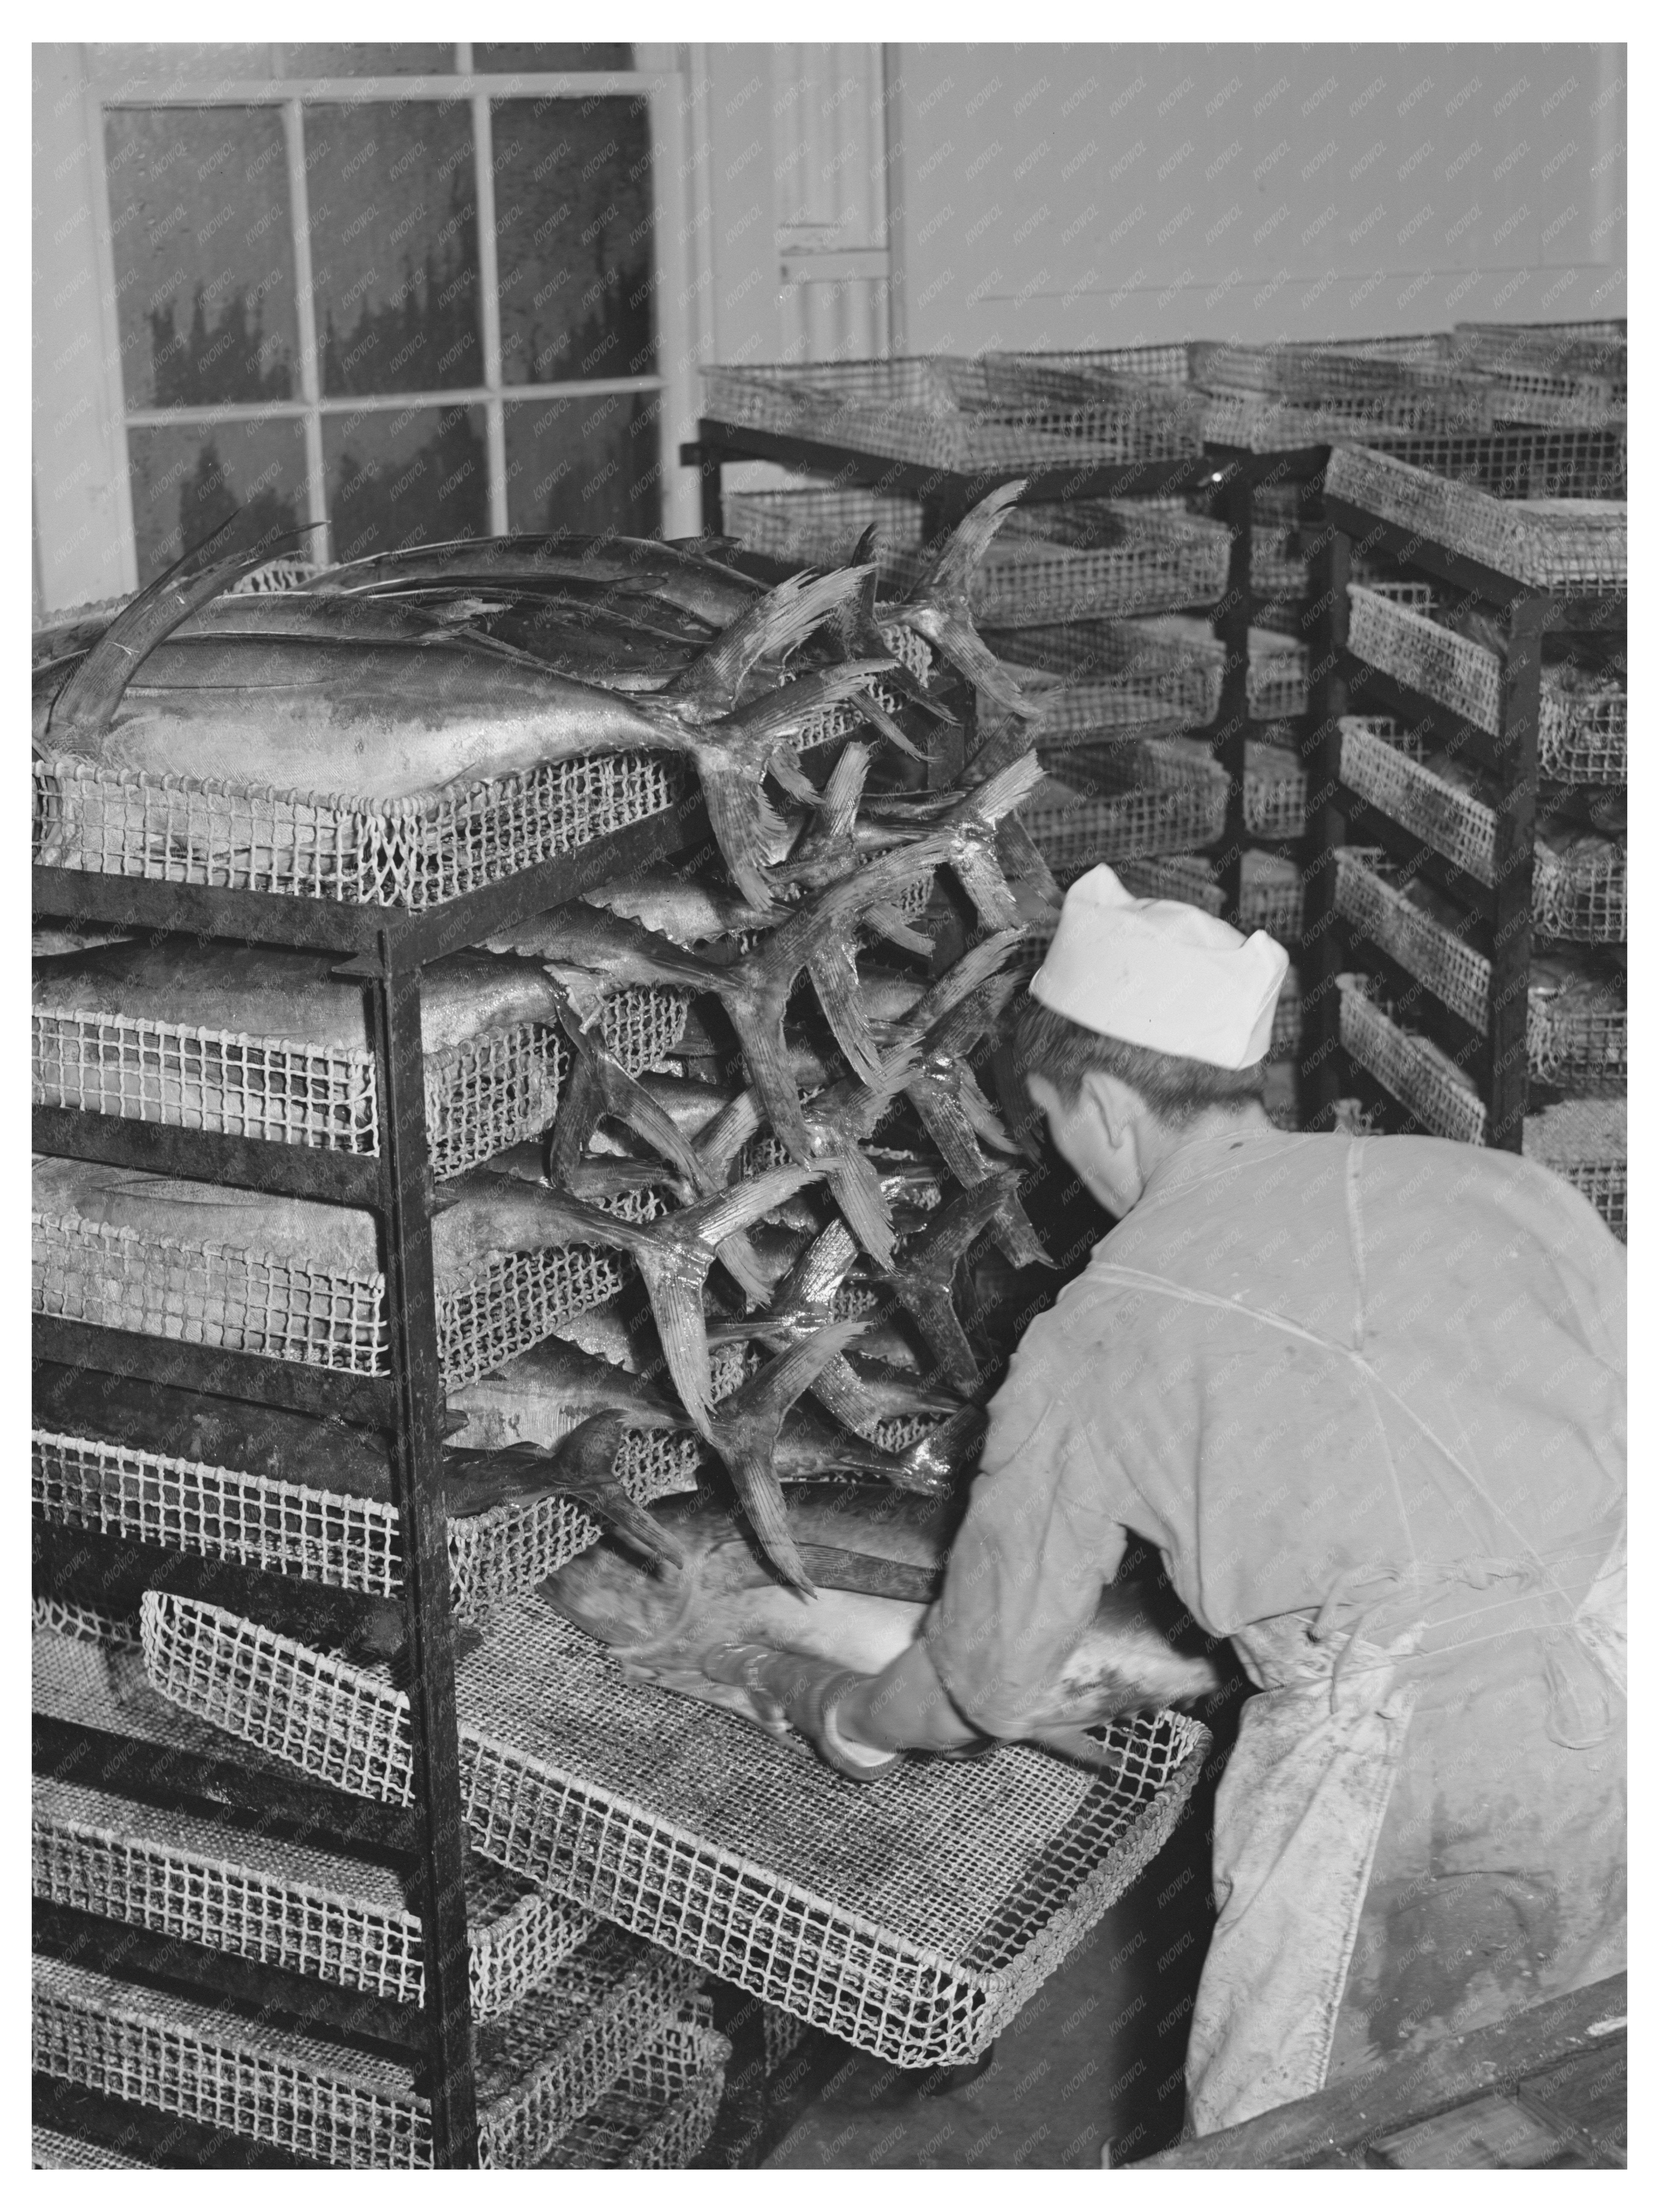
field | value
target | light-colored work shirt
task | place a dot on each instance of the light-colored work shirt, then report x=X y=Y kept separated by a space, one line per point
x=1302 y=1367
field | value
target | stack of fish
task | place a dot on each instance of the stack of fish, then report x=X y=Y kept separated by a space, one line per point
x=795 y=1211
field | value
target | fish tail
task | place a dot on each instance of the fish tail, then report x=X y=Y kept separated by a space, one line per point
x=84 y=709
x=858 y=1193
x=747 y=827
x=1010 y=1226
x=784 y=619
x=952 y=568
x=762 y=1493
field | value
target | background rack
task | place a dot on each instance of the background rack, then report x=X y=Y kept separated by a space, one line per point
x=1501 y=913
x=387 y=949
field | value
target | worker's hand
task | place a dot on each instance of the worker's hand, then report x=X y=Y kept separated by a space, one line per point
x=802 y=1689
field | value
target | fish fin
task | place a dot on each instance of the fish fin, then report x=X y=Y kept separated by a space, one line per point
x=758 y=1022
x=758 y=1405
x=945 y=1122
x=858 y=1193
x=1000 y=793
x=835 y=976
x=886 y=922
x=838 y=1388
x=821 y=1269
x=716 y=1218
x=982 y=1116
x=976 y=869
x=787 y=769
x=736 y=1254
x=718 y=1144
x=674 y=1284
x=936 y=1317
x=579 y=1111
x=977 y=967
x=954 y=635
x=755 y=1480
x=582 y=1467
x=934 y=1462
x=629 y=1102
x=782 y=619
x=877 y=716
x=1022 y=860
x=945 y=1243
x=84 y=709
x=951 y=571
x=839 y=802
x=747 y=827
x=1011 y=1225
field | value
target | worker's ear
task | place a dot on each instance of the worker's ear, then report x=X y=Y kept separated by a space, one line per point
x=1117 y=1103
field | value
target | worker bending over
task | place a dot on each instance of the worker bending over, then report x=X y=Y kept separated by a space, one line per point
x=1366 y=1397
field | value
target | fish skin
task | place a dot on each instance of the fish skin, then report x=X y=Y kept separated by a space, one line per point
x=263 y=991
x=265 y=1441
x=659 y=1626
x=540 y=1396
x=700 y=586
x=689 y=911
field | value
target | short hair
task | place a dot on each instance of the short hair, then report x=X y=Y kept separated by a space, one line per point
x=1176 y=1088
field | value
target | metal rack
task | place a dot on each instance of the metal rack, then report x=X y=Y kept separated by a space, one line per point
x=1499 y=903
x=386 y=949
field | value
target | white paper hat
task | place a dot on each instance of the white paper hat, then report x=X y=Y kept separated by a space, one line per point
x=1159 y=972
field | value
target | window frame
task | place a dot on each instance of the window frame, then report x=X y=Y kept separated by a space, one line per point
x=658 y=82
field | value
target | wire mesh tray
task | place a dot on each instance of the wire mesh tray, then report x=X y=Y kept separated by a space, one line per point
x=948 y=412
x=310 y=1911
x=1164 y=806
x=249 y=1300
x=1261 y=423
x=1312 y=371
x=1573 y=1039
x=1114 y=676
x=1583 y=902
x=1583 y=1141
x=912 y=1919
x=541 y=2066
x=1582 y=732
x=482 y=1095
x=1580 y=546
x=49 y=2149
x=659 y=2111
x=409 y=852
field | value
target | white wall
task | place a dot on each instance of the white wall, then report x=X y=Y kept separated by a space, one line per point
x=1097 y=195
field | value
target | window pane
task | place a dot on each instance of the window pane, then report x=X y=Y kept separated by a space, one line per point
x=366 y=60
x=181 y=61
x=400 y=476
x=574 y=238
x=588 y=464
x=187 y=479
x=394 y=247
x=551 y=59
x=203 y=255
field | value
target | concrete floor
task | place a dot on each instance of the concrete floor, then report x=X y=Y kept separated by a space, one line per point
x=1095 y=2056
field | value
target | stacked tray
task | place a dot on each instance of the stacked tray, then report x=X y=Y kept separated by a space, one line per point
x=1151 y=801
x=1577 y=546
x=309 y=1910
x=1047 y=564
x=541 y=2066
x=1583 y=902
x=964 y=416
x=1584 y=1140
x=134 y=1276
x=409 y=852
x=1572 y=1039
x=1583 y=721
x=912 y=1919
x=1092 y=677
x=482 y=1096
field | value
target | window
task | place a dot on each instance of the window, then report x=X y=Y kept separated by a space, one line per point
x=408 y=292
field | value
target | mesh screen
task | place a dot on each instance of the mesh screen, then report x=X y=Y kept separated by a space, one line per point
x=409 y=852
x=1578 y=547
x=312 y=1911
x=541 y=2066
x=911 y=1920
x=660 y=2110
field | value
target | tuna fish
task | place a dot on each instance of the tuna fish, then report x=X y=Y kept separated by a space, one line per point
x=875 y=1559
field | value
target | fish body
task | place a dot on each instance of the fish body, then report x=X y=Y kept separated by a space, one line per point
x=692 y=581
x=659 y=1624
x=686 y=910
x=263 y=992
x=544 y=1393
